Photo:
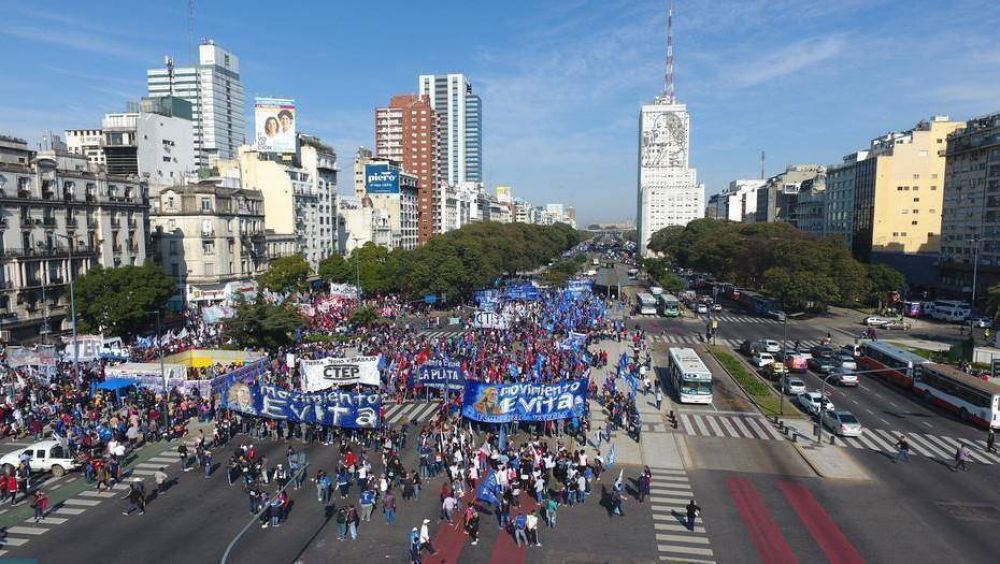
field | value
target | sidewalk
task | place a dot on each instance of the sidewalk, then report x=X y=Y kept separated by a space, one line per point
x=827 y=460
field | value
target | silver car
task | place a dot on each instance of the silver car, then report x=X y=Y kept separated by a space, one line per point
x=842 y=422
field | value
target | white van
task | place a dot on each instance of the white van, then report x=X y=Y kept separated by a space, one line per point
x=951 y=310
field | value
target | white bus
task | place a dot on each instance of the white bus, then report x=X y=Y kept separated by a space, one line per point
x=948 y=387
x=951 y=310
x=690 y=379
x=647 y=304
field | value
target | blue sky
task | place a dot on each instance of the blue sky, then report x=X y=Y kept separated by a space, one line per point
x=561 y=82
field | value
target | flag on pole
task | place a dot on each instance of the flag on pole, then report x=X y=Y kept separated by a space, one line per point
x=502 y=441
x=488 y=489
x=618 y=482
x=612 y=455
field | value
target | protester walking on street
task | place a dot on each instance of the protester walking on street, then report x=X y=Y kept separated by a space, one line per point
x=902 y=449
x=991 y=438
x=692 y=513
x=962 y=457
x=40 y=505
x=160 y=479
x=389 y=506
x=472 y=526
x=425 y=537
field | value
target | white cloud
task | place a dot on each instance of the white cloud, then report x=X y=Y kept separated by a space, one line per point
x=76 y=41
x=787 y=60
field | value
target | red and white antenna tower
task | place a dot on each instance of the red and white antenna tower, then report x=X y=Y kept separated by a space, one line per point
x=668 y=93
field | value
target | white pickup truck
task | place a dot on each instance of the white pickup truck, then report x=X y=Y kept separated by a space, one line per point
x=43 y=456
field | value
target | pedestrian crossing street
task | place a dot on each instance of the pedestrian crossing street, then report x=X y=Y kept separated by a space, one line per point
x=728 y=425
x=751 y=426
x=669 y=494
x=61 y=512
x=930 y=446
x=694 y=339
x=418 y=411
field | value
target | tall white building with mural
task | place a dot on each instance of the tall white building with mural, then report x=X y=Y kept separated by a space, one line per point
x=668 y=191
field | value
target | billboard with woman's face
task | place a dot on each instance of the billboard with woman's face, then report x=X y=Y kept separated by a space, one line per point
x=275 y=125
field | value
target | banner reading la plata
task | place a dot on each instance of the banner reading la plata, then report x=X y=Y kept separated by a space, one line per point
x=503 y=403
x=332 y=408
x=439 y=375
x=325 y=373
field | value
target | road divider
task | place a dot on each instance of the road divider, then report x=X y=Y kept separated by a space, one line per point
x=757 y=389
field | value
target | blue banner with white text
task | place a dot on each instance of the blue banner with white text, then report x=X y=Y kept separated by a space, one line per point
x=331 y=408
x=503 y=403
x=439 y=375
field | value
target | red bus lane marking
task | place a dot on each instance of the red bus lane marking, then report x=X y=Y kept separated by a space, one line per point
x=449 y=540
x=823 y=529
x=506 y=550
x=764 y=532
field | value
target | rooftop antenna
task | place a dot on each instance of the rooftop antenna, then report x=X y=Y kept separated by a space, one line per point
x=668 y=92
x=762 y=165
x=190 y=31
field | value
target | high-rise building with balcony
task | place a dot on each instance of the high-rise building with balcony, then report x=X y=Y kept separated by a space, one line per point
x=60 y=217
x=406 y=132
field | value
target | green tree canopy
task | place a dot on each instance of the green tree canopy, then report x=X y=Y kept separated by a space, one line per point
x=122 y=301
x=798 y=268
x=335 y=269
x=263 y=325
x=286 y=274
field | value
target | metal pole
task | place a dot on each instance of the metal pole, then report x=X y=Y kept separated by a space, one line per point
x=822 y=404
x=784 y=350
x=163 y=372
x=72 y=312
x=975 y=272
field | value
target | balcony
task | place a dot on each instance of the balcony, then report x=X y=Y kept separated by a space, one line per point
x=27 y=222
x=24 y=193
x=90 y=197
x=116 y=248
x=92 y=223
x=49 y=221
x=132 y=223
x=71 y=223
x=116 y=224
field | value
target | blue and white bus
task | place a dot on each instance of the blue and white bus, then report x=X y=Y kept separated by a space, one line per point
x=690 y=379
x=647 y=304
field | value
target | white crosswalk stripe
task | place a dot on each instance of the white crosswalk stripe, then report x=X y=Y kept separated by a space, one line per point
x=675 y=542
x=922 y=444
x=418 y=411
x=693 y=339
x=748 y=426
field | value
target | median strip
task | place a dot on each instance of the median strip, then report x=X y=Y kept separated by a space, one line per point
x=760 y=392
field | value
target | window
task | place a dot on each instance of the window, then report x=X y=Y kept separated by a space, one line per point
x=209 y=269
x=913 y=223
x=208 y=247
x=206 y=204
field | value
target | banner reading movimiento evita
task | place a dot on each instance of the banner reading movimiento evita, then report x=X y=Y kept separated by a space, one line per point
x=332 y=408
x=503 y=403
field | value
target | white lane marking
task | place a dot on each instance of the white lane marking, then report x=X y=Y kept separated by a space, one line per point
x=715 y=426
x=738 y=421
x=729 y=427
x=701 y=426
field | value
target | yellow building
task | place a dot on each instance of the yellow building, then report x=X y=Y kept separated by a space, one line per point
x=899 y=189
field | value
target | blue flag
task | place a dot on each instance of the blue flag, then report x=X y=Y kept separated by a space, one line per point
x=502 y=441
x=489 y=489
x=612 y=455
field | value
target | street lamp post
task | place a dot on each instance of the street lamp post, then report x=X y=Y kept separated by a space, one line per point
x=975 y=272
x=784 y=352
x=72 y=304
x=163 y=371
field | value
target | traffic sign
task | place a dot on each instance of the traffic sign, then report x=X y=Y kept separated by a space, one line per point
x=430 y=299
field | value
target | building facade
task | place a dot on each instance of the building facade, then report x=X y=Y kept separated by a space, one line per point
x=154 y=139
x=669 y=193
x=59 y=217
x=458 y=111
x=899 y=191
x=86 y=142
x=215 y=90
x=970 y=224
x=406 y=132
x=394 y=205
x=211 y=239
x=810 y=206
x=300 y=193
x=776 y=199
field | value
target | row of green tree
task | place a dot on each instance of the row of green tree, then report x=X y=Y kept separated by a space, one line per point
x=124 y=301
x=799 y=269
x=453 y=264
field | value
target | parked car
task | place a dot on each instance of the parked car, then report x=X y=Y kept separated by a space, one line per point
x=842 y=422
x=769 y=345
x=846 y=361
x=702 y=308
x=845 y=377
x=43 y=456
x=811 y=401
x=775 y=371
x=776 y=315
x=761 y=359
x=981 y=322
x=747 y=348
x=822 y=365
x=794 y=386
